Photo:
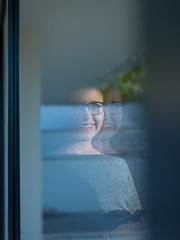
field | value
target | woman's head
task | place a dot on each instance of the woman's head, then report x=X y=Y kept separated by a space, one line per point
x=89 y=114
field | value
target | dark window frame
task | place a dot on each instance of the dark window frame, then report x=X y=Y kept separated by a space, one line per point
x=2 y=165
x=13 y=122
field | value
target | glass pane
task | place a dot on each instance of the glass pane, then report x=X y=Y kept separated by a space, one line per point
x=84 y=139
x=4 y=126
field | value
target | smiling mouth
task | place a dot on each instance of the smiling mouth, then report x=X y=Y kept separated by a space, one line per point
x=86 y=127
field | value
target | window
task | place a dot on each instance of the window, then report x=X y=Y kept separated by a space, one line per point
x=83 y=133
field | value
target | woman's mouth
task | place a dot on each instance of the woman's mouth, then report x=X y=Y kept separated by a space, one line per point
x=86 y=126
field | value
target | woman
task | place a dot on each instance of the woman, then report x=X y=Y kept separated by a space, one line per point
x=89 y=181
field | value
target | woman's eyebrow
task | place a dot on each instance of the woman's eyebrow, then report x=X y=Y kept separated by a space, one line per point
x=95 y=102
x=116 y=102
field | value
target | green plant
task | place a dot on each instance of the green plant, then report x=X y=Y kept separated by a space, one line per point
x=132 y=84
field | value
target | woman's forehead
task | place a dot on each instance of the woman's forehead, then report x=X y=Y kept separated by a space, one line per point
x=88 y=95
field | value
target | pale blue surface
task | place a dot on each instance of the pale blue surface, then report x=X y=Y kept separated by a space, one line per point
x=88 y=183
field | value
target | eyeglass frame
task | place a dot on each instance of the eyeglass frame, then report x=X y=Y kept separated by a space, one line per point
x=101 y=105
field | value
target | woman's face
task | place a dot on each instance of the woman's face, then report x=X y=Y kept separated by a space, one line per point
x=89 y=114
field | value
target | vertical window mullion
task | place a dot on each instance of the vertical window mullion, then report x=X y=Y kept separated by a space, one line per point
x=2 y=137
x=13 y=122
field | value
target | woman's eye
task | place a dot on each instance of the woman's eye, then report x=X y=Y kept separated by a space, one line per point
x=96 y=108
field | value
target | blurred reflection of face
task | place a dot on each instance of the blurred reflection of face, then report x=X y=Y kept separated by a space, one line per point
x=112 y=119
x=88 y=115
x=112 y=114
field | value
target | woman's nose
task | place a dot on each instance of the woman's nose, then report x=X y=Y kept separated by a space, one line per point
x=86 y=115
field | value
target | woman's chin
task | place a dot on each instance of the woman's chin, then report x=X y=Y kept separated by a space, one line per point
x=85 y=136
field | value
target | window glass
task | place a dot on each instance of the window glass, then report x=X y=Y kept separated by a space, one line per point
x=84 y=140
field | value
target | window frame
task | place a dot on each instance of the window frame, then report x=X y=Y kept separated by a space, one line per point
x=2 y=122
x=13 y=122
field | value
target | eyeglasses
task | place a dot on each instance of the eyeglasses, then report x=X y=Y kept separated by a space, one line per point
x=95 y=108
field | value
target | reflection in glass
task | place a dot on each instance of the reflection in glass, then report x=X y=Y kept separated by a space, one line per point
x=87 y=186
x=78 y=66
